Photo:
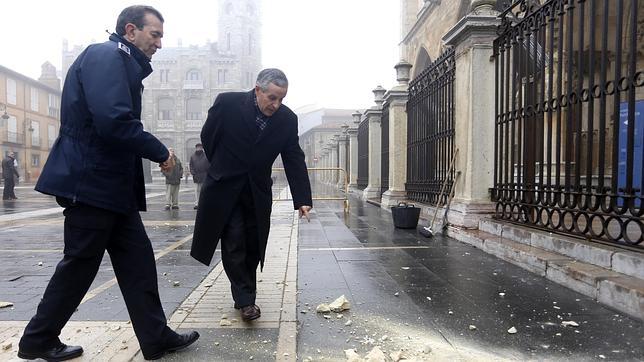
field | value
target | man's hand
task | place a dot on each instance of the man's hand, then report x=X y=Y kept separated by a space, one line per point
x=304 y=211
x=168 y=164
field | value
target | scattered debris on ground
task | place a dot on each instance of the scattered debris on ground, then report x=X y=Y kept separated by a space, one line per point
x=6 y=304
x=338 y=305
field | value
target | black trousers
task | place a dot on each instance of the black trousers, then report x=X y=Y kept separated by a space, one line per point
x=89 y=231
x=9 y=184
x=240 y=249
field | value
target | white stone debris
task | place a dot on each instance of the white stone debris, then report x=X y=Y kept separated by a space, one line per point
x=7 y=346
x=303 y=311
x=405 y=268
x=339 y=316
x=207 y=286
x=396 y=356
x=176 y=283
x=225 y=323
x=40 y=263
x=216 y=343
x=512 y=330
x=450 y=312
x=427 y=349
x=602 y=356
x=384 y=338
x=429 y=298
x=352 y=355
x=570 y=323
x=396 y=294
x=340 y=304
x=6 y=304
x=323 y=308
x=375 y=355
x=472 y=327
x=251 y=358
x=327 y=316
x=348 y=323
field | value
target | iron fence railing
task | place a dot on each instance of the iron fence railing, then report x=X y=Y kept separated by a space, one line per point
x=363 y=154
x=430 y=130
x=569 y=122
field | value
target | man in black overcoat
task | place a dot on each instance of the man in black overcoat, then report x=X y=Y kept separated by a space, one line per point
x=243 y=135
x=8 y=173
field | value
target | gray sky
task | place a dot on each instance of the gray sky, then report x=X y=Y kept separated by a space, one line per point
x=333 y=51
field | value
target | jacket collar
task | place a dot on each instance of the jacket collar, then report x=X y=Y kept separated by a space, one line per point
x=136 y=53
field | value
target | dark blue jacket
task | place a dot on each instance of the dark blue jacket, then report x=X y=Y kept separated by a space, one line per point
x=96 y=159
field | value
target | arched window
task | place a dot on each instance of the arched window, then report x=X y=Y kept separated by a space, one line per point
x=165 y=108
x=193 y=74
x=193 y=109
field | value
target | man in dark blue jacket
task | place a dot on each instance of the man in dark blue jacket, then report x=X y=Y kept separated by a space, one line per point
x=95 y=171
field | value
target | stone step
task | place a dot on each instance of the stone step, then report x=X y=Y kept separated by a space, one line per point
x=614 y=289
x=622 y=261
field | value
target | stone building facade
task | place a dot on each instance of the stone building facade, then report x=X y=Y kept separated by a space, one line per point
x=29 y=118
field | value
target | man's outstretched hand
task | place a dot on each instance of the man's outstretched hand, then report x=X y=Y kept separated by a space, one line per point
x=168 y=164
x=304 y=211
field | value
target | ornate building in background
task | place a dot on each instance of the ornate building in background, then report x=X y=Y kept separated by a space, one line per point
x=186 y=79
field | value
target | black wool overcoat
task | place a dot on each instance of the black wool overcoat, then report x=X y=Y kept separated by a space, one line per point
x=240 y=154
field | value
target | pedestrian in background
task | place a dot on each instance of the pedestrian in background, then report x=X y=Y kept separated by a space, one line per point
x=95 y=171
x=173 y=182
x=10 y=176
x=199 y=169
x=243 y=135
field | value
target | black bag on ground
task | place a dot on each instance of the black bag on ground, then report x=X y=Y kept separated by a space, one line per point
x=405 y=215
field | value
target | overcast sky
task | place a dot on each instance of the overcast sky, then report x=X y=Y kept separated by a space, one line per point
x=334 y=52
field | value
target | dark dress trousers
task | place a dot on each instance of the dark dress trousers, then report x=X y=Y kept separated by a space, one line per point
x=236 y=198
x=95 y=171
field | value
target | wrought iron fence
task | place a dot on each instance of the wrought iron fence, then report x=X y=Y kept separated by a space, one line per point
x=384 y=154
x=430 y=130
x=569 y=122
x=363 y=154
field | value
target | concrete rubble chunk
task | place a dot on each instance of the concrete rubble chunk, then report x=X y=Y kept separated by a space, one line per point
x=472 y=327
x=225 y=323
x=396 y=356
x=427 y=349
x=352 y=355
x=512 y=330
x=176 y=284
x=6 y=304
x=340 y=304
x=348 y=323
x=375 y=355
x=323 y=308
x=570 y=323
x=7 y=346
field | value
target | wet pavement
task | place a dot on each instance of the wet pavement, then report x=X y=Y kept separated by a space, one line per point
x=417 y=294
x=434 y=299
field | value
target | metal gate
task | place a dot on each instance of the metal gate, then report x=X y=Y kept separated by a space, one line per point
x=569 y=118
x=363 y=154
x=430 y=130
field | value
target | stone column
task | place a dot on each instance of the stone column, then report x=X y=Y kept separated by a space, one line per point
x=397 y=100
x=472 y=38
x=325 y=163
x=374 y=116
x=342 y=142
x=353 y=150
x=334 y=158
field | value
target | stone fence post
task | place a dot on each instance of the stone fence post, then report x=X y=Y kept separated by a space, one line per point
x=374 y=116
x=474 y=89
x=397 y=99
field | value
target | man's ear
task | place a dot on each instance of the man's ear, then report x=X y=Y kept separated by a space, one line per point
x=129 y=31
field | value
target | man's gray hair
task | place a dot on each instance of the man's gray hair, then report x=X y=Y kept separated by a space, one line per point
x=271 y=75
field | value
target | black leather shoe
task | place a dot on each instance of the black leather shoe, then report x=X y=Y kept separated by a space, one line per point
x=62 y=352
x=250 y=312
x=181 y=341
